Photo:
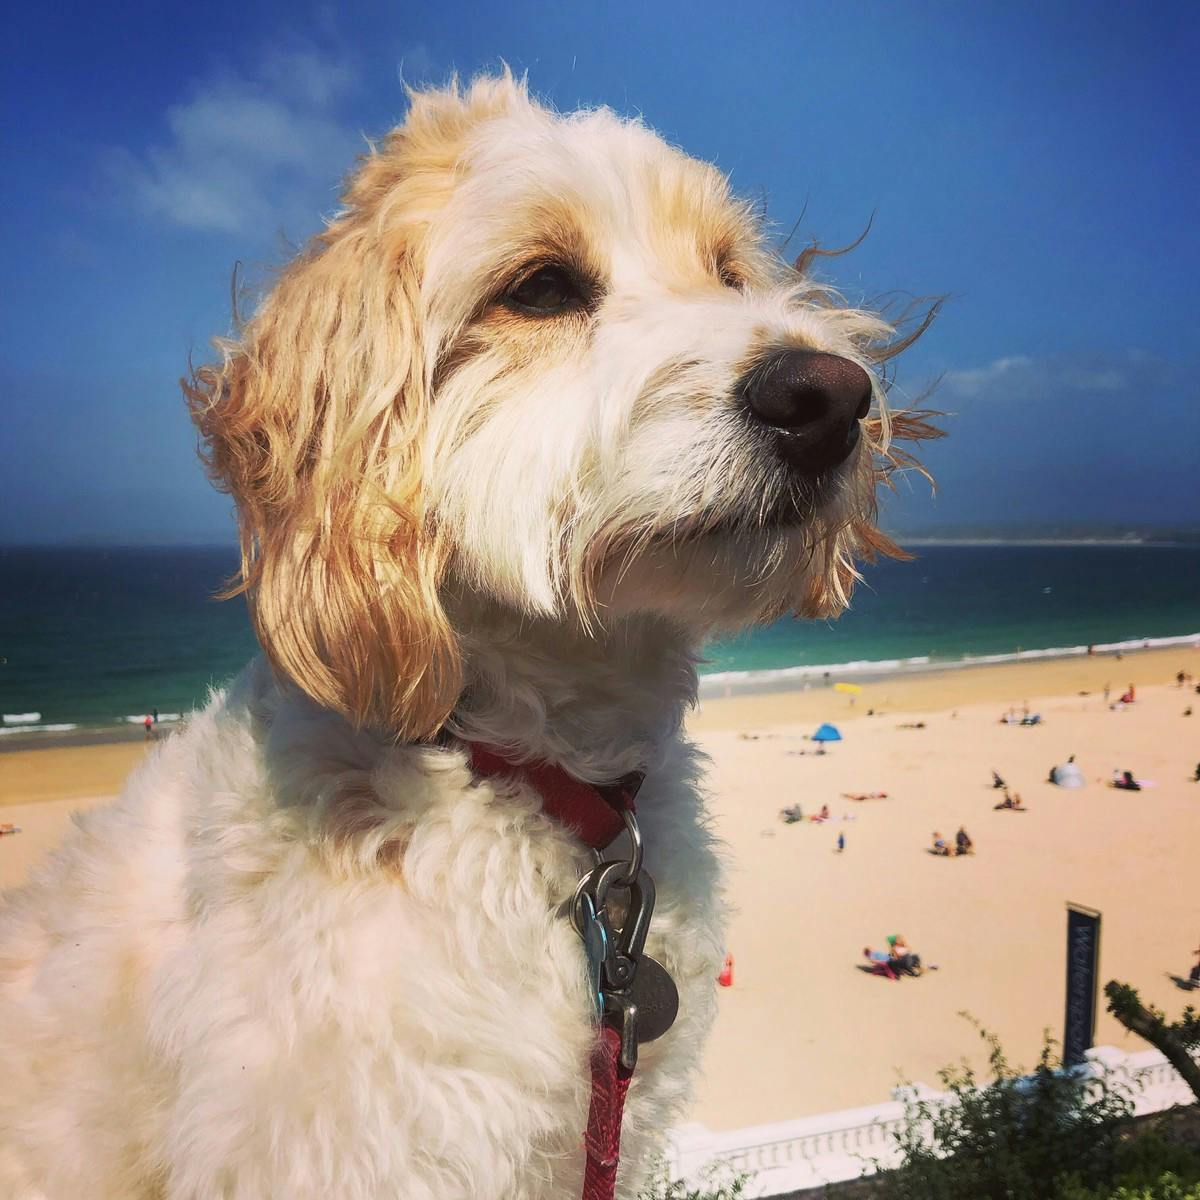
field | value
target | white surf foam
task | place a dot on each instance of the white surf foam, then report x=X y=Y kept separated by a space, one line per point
x=779 y=677
x=21 y=718
x=36 y=729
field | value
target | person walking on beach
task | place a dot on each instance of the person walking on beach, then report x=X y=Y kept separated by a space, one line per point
x=154 y=714
x=841 y=843
x=149 y=724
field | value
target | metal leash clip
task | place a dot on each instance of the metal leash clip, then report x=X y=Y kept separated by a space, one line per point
x=630 y=989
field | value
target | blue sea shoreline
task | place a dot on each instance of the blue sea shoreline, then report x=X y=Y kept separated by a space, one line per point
x=717 y=685
x=92 y=638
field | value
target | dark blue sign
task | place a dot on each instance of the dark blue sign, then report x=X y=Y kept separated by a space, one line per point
x=1083 y=982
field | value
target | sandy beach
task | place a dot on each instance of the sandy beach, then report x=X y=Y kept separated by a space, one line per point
x=803 y=1029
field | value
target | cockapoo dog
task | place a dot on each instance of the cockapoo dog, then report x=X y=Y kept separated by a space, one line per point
x=534 y=416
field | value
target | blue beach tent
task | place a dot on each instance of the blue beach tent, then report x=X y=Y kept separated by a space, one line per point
x=827 y=733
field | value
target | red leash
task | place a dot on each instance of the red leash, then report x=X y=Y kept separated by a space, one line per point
x=602 y=1141
x=595 y=815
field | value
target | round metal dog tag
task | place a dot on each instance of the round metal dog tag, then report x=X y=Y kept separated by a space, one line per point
x=657 y=999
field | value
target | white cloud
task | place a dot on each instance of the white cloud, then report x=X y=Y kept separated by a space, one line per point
x=972 y=382
x=247 y=154
x=1019 y=376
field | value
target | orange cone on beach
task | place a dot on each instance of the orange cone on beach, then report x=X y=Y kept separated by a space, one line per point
x=725 y=979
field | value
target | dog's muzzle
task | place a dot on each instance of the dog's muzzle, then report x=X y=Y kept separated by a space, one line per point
x=812 y=403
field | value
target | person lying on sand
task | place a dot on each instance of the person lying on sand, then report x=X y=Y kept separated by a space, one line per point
x=7 y=828
x=864 y=795
x=912 y=725
x=892 y=965
x=881 y=962
x=1015 y=803
x=1194 y=973
x=1125 y=781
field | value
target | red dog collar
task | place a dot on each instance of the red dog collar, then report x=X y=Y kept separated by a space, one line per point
x=593 y=812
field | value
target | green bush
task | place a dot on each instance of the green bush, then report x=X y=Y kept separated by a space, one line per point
x=1145 y=1167
x=1015 y=1137
x=1165 y=1187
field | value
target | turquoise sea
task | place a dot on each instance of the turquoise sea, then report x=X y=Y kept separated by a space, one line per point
x=94 y=637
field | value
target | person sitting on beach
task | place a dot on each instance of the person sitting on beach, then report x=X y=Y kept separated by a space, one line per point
x=903 y=958
x=997 y=780
x=1196 y=776
x=1126 y=782
x=791 y=814
x=1129 y=696
x=962 y=841
x=1194 y=973
x=823 y=815
x=1011 y=802
x=940 y=846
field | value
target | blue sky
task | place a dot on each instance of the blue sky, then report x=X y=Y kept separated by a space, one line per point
x=1035 y=162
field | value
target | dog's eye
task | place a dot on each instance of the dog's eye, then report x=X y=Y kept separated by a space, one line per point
x=548 y=290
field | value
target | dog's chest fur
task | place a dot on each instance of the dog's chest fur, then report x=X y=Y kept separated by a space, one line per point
x=296 y=961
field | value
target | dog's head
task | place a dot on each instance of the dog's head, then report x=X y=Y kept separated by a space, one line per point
x=549 y=360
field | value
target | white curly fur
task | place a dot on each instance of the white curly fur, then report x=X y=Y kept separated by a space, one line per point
x=303 y=957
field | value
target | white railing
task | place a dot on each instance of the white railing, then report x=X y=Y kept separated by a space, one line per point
x=791 y=1155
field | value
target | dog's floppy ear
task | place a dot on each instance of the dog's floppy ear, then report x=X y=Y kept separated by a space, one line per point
x=313 y=420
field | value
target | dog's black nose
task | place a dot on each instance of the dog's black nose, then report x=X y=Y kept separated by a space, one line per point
x=813 y=402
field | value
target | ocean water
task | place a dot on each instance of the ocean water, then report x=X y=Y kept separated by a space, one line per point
x=97 y=636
